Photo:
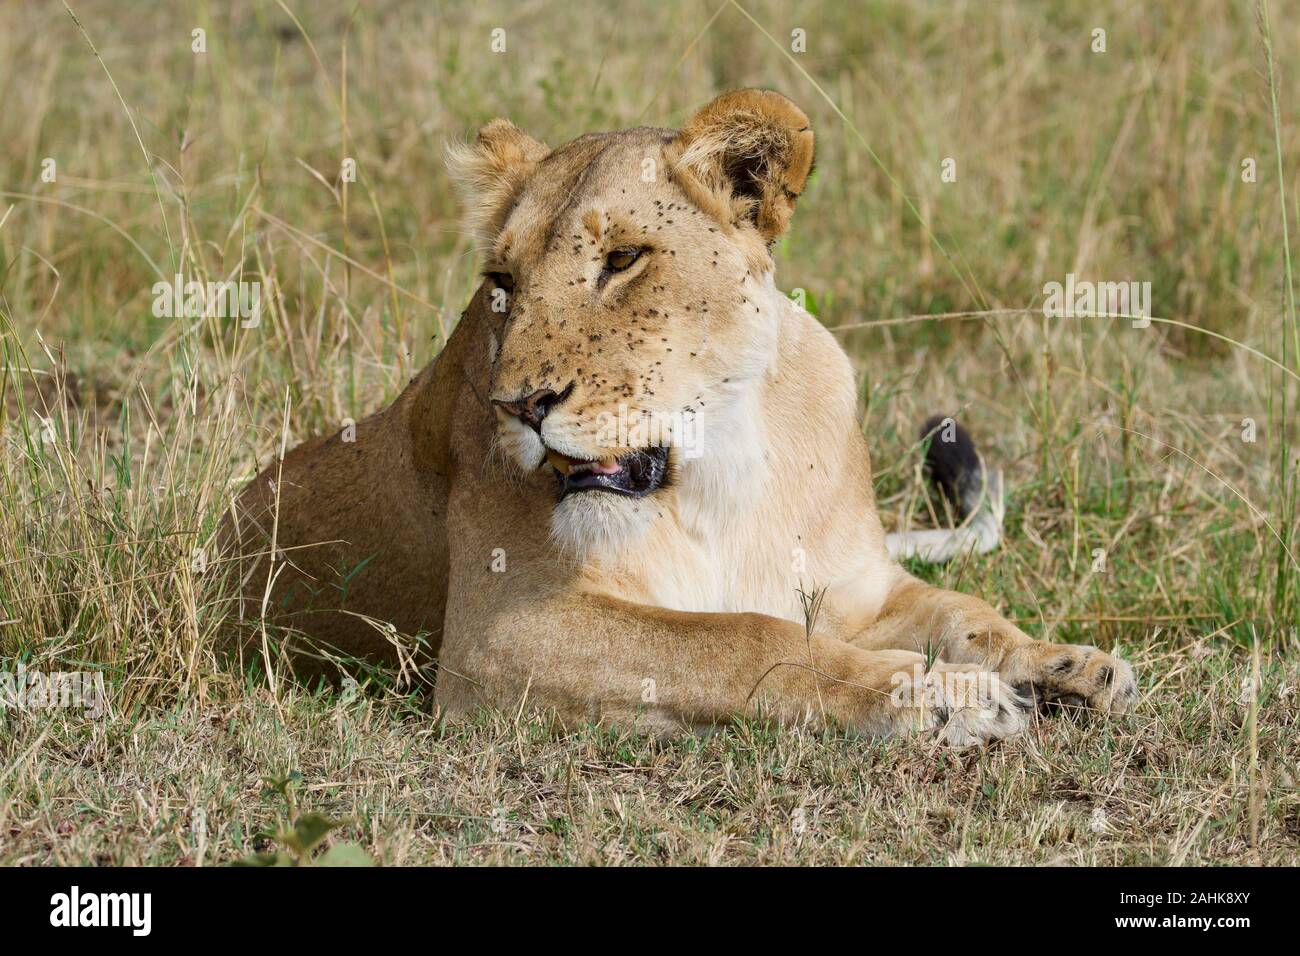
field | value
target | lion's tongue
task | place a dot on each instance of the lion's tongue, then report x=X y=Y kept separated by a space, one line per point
x=564 y=464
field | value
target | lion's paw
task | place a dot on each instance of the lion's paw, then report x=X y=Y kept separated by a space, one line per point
x=965 y=705
x=1074 y=675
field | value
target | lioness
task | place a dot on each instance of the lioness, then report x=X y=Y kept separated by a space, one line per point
x=509 y=504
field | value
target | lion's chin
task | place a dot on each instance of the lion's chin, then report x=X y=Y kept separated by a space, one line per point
x=600 y=524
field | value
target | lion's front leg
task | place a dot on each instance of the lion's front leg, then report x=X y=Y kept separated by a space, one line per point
x=596 y=658
x=966 y=630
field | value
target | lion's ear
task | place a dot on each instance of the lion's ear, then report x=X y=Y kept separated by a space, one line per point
x=756 y=145
x=489 y=171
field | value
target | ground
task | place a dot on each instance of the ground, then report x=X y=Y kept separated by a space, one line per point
x=1168 y=785
x=1151 y=472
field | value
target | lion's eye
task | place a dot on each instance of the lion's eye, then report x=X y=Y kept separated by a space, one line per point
x=503 y=280
x=621 y=259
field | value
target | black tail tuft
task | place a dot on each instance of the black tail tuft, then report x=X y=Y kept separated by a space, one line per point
x=975 y=493
x=953 y=464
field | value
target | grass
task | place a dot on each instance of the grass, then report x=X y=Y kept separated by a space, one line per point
x=1138 y=517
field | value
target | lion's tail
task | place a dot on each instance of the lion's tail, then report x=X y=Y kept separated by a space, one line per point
x=974 y=491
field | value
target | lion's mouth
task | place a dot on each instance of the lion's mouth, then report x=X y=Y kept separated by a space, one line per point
x=636 y=474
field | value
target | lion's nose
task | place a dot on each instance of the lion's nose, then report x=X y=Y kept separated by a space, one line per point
x=535 y=407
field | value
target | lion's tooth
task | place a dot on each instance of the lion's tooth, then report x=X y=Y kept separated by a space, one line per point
x=558 y=461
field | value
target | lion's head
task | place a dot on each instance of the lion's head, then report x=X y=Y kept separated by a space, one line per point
x=633 y=305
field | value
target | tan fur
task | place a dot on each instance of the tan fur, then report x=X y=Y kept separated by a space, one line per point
x=680 y=609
